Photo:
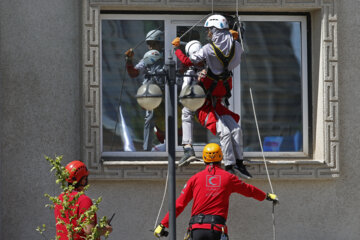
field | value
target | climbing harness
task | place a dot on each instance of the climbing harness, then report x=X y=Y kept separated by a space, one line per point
x=225 y=75
x=215 y=221
x=211 y=219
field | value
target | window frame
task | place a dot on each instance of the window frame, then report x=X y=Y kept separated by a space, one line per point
x=304 y=78
x=324 y=160
x=170 y=24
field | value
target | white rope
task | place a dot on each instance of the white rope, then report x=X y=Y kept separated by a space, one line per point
x=163 y=199
x=257 y=127
x=261 y=146
x=239 y=27
x=273 y=220
x=187 y=31
x=267 y=171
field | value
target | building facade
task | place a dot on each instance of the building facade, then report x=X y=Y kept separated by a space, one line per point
x=65 y=91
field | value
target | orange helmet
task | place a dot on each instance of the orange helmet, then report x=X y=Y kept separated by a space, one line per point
x=77 y=170
x=212 y=153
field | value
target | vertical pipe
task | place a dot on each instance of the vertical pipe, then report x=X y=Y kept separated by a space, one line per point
x=171 y=148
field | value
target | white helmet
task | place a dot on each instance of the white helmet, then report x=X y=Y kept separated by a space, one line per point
x=150 y=57
x=217 y=21
x=192 y=47
x=155 y=35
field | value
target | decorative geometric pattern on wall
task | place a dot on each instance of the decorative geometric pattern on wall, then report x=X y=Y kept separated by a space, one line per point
x=91 y=92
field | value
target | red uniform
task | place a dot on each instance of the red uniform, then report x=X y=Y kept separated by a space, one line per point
x=132 y=71
x=211 y=190
x=183 y=58
x=82 y=204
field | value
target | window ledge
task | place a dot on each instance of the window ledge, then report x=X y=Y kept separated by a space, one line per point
x=250 y=163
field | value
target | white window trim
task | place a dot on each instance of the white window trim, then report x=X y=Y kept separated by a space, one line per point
x=305 y=90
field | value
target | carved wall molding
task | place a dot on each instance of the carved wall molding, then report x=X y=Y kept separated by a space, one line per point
x=326 y=167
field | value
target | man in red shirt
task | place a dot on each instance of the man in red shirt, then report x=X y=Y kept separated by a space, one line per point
x=79 y=204
x=210 y=190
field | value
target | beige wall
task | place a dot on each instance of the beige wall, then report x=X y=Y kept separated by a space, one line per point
x=41 y=85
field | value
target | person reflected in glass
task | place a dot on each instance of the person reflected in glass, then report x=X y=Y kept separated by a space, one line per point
x=191 y=77
x=152 y=63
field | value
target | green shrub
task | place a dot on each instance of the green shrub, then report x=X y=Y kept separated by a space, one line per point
x=83 y=220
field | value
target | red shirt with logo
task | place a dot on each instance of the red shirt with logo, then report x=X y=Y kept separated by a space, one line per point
x=211 y=190
x=82 y=204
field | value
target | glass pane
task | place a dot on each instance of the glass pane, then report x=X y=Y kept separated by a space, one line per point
x=201 y=135
x=272 y=69
x=124 y=125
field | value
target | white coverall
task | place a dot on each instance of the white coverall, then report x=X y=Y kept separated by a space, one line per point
x=229 y=131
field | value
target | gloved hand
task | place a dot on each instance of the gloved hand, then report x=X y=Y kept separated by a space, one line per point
x=129 y=53
x=234 y=33
x=176 y=42
x=160 y=231
x=272 y=197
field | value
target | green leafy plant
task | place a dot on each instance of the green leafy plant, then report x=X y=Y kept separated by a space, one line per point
x=68 y=202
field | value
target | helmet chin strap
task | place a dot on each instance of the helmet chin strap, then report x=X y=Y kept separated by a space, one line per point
x=82 y=185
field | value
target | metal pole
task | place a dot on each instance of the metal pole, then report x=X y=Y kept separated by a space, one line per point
x=171 y=148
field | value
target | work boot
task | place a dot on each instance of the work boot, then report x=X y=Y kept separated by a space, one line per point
x=230 y=169
x=189 y=156
x=241 y=168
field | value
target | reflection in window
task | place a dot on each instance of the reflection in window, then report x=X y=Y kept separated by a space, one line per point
x=127 y=127
x=272 y=68
x=201 y=135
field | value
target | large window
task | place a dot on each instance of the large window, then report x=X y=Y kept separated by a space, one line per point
x=274 y=66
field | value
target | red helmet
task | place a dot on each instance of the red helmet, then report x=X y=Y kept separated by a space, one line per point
x=77 y=170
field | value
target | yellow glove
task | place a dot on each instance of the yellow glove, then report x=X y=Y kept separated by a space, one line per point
x=129 y=53
x=234 y=33
x=160 y=231
x=272 y=197
x=176 y=42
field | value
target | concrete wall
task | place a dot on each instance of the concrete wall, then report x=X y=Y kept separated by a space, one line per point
x=40 y=113
x=40 y=72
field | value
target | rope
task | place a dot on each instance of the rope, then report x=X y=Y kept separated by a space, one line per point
x=267 y=171
x=273 y=220
x=261 y=146
x=187 y=31
x=163 y=199
x=256 y=122
x=212 y=6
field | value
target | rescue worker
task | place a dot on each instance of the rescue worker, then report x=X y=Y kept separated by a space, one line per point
x=78 y=177
x=155 y=42
x=210 y=191
x=221 y=55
